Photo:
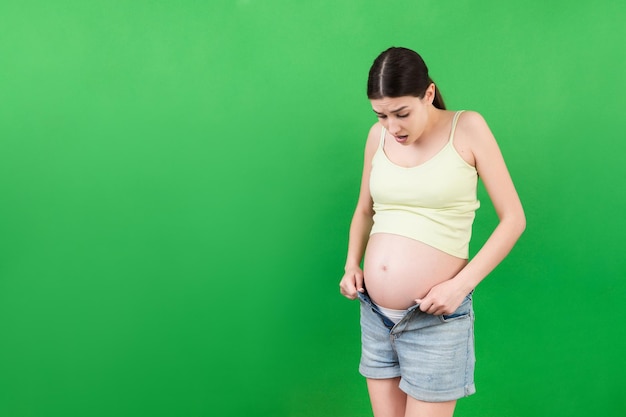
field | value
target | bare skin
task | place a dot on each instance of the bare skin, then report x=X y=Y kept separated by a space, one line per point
x=389 y=401
x=399 y=271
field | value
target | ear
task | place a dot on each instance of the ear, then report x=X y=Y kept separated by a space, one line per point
x=429 y=94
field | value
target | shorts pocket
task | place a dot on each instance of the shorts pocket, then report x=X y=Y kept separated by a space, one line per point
x=463 y=311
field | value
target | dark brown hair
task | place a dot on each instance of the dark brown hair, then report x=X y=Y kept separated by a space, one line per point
x=399 y=72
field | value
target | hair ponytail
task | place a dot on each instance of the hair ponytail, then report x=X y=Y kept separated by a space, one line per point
x=438 y=100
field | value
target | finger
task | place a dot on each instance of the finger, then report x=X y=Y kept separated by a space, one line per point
x=427 y=306
x=438 y=310
x=359 y=283
x=424 y=304
x=349 y=292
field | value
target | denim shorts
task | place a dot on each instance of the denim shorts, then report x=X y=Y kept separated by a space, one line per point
x=432 y=355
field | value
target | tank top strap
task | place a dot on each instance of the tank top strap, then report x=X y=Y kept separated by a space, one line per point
x=382 y=137
x=455 y=119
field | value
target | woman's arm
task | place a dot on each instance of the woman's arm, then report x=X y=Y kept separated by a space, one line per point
x=361 y=225
x=446 y=297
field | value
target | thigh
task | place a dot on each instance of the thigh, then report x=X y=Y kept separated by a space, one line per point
x=387 y=399
x=417 y=408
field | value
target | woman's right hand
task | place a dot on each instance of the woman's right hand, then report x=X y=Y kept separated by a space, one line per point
x=352 y=283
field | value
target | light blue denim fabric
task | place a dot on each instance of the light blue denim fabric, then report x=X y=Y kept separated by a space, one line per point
x=433 y=355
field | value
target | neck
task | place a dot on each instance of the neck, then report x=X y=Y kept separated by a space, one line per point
x=434 y=115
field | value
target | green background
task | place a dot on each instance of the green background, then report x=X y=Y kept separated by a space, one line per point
x=177 y=181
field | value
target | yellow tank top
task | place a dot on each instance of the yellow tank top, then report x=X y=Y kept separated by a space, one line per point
x=434 y=202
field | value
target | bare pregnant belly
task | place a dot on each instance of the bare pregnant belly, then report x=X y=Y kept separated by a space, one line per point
x=398 y=270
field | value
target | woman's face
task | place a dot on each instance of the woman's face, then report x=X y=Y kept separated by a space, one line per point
x=404 y=117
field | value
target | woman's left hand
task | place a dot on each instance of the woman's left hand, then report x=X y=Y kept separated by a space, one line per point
x=443 y=298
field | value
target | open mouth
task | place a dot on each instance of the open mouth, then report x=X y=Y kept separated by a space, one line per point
x=401 y=138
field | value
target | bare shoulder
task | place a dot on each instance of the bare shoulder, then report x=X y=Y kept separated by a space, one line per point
x=374 y=133
x=472 y=136
x=473 y=124
x=373 y=139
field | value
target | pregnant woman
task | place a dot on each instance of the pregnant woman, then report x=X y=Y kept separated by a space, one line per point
x=411 y=231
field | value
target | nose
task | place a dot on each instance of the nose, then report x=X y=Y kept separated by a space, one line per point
x=393 y=126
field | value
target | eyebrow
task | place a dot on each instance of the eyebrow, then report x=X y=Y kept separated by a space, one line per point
x=393 y=111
